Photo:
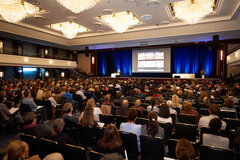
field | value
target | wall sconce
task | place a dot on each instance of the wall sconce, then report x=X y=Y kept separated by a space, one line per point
x=46 y=52
x=221 y=55
x=93 y=60
x=1 y=74
x=46 y=74
x=50 y=62
x=62 y=74
x=25 y=60
x=237 y=54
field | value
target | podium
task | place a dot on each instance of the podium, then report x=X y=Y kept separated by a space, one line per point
x=113 y=75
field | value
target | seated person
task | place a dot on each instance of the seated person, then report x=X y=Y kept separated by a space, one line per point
x=61 y=137
x=31 y=126
x=96 y=110
x=152 y=127
x=28 y=100
x=130 y=126
x=14 y=118
x=18 y=149
x=214 y=110
x=111 y=141
x=184 y=150
x=228 y=105
x=87 y=118
x=67 y=110
x=68 y=95
x=214 y=138
x=153 y=106
x=123 y=111
x=138 y=106
x=187 y=109
x=106 y=107
x=54 y=156
x=164 y=114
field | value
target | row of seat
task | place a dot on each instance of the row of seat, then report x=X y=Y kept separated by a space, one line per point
x=151 y=149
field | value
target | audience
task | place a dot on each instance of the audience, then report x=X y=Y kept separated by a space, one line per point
x=111 y=141
x=214 y=111
x=88 y=119
x=68 y=109
x=164 y=115
x=130 y=126
x=106 y=107
x=184 y=150
x=152 y=127
x=153 y=106
x=187 y=109
x=123 y=111
x=19 y=150
x=138 y=106
x=214 y=138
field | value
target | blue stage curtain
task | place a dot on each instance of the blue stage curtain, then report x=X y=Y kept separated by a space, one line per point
x=112 y=61
x=191 y=59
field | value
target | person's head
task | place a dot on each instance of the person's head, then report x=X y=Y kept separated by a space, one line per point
x=214 y=109
x=88 y=116
x=106 y=98
x=164 y=111
x=30 y=118
x=39 y=95
x=132 y=115
x=175 y=100
x=48 y=94
x=187 y=106
x=179 y=92
x=17 y=149
x=160 y=100
x=125 y=103
x=190 y=94
x=58 y=90
x=229 y=103
x=215 y=125
x=230 y=93
x=203 y=94
x=26 y=93
x=58 y=124
x=119 y=94
x=152 y=126
x=54 y=156
x=138 y=102
x=206 y=101
x=153 y=101
x=111 y=139
x=112 y=156
x=91 y=102
x=184 y=150
x=67 y=108
x=169 y=103
x=216 y=94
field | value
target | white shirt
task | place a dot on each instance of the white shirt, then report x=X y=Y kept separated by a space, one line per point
x=79 y=92
x=214 y=140
x=172 y=111
x=118 y=86
x=164 y=120
x=97 y=111
x=133 y=128
x=155 y=109
x=204 y=122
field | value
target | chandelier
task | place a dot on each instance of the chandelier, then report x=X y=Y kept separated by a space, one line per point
x=192 y=11
x=69 y=29
x=77 y=6
x=16 y=10
x=120 y=21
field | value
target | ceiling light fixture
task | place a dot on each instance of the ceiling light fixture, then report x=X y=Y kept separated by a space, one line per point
x=77 y=6
x=120 y=21
x=192 y=11
x=16 y=10
x=69 y=29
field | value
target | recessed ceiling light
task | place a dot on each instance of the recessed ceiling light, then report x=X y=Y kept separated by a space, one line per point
x=153 y=3
x=97 y=24
x=146 y=17
x=107 y=11
x=130 y=1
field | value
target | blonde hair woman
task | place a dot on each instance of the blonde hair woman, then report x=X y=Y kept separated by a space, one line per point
x=175 y=101
x=39 y=95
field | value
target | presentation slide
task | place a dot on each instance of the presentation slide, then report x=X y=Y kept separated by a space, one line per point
x=151 y=60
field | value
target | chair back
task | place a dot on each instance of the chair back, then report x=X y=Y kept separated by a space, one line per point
x=204 y=112
x=31 y=141
x=24 y=108
x=177 y=109
x=120 y=119
x=95 y=155
x=173 y=116
x=130 y=144
x=210 y=152
x=152 y=148
x=187 y=118
x=232 y=123
x=74 y=152
x=47 y=147
x=141 y=121
x=187 y=131
x=227 y=114
x=106 y=119
x=167 y=130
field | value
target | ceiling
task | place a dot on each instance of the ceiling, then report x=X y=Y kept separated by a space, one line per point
x=163 y=28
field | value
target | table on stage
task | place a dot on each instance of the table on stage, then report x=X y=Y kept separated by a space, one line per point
x=183 y=75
